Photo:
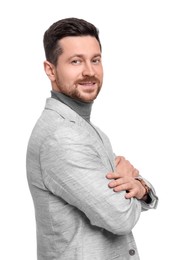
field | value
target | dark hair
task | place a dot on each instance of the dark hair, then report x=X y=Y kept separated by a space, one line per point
x=63 y=28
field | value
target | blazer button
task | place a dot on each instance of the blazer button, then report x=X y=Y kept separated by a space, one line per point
x=131 y=252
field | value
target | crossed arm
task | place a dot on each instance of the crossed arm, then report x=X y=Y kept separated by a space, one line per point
x=124 y=179
x=73 y=168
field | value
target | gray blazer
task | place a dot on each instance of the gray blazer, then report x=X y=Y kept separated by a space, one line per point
x=77 y=216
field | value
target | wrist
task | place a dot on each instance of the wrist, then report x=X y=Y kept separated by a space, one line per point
x=146 y=188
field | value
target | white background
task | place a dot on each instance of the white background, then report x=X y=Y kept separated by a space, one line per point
x=137 y=108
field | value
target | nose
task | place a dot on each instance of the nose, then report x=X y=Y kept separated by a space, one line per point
x=88 y=69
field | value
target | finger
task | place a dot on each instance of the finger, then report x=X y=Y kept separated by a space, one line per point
x=130 y=181
x=135 y=173
x=117 y=182
x=131 y=194
x=122 y=187
x=113 y=175
x=113 y=184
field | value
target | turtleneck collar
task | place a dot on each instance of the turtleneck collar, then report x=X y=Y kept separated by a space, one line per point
x=81 y=108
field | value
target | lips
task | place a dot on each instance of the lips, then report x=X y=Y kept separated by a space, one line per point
x=87 y=83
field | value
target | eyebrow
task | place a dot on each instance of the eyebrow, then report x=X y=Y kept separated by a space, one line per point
x=82 y=56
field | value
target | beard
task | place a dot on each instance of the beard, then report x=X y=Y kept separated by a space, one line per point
x=79 y=91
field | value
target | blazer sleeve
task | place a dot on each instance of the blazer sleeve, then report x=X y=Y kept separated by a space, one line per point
x=153 y=198
x=74 y=169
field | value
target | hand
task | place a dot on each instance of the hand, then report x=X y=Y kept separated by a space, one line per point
x=125 y=168
x=132 y=186
x=124 y=179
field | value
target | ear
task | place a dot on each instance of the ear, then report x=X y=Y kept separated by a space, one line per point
x=49 y=70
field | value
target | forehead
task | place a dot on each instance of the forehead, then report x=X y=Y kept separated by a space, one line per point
x=80 y=45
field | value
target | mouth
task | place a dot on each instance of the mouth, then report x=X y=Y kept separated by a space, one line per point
x=87 y=84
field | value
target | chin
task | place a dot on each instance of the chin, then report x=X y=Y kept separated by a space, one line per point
x=85 y=95
x=89 y=96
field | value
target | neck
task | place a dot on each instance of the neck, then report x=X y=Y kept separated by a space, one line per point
x=80 y=107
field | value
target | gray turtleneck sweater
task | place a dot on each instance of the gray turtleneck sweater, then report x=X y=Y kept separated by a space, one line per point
x=81 y=108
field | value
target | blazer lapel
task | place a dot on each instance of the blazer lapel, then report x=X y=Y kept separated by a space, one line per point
x=69 y=114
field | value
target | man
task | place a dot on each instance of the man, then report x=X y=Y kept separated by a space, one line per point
x=86 y=200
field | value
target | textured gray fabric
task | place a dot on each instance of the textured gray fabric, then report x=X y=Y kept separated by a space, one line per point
x=77 y=216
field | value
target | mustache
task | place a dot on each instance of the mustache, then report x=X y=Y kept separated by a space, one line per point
x=87 y=79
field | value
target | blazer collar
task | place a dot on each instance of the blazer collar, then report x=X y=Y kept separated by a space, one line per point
x=62 y=109
x=69 y=114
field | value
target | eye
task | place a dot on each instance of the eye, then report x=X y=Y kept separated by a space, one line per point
x=76 y=62
x=96 y=60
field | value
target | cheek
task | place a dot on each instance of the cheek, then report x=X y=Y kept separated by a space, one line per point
x=100 y=76
x=70 y=74
x=100 y=72
x=62 y=77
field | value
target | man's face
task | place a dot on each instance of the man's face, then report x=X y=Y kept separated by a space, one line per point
x=79 y=71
